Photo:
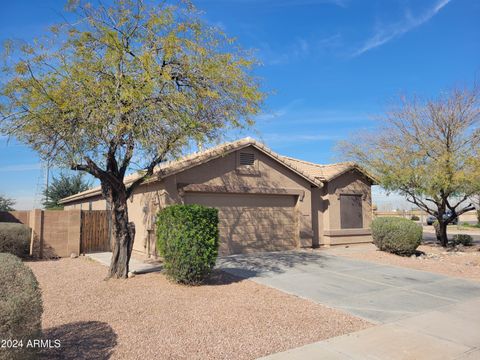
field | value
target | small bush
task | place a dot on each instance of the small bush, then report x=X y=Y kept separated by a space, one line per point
x=187 y=239
x=20 y=305
x=414 y=218
x=14 y=239
x=396 y=235
x=462 y=239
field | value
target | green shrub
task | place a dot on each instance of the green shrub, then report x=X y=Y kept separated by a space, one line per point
x=414 y=218
x=14 y=239
x=396 y=235
x=187 y=239
x=20 y=305
x=462 y=239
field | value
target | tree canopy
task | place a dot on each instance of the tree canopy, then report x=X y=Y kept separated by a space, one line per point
x=6 y=204
x=61 y=187
x=428 y=151
x=128 y=84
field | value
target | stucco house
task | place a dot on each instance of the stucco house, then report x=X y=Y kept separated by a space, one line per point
x=266 y=201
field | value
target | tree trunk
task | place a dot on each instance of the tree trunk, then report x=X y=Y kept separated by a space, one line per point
x=442 y=233
x=123 y=234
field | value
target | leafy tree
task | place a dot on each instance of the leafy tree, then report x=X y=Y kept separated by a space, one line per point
x=427 y=151
x=6 y=204
x=61 y=187
x=129 y=81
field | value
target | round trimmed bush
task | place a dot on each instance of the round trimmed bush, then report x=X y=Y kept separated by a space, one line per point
x=20 y=305
x=187 y=239
x=14 y=239
x=414 y=218
x=396 y=235
x=462 y=239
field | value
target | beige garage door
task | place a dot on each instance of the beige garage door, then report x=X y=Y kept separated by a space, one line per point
x=251 y=223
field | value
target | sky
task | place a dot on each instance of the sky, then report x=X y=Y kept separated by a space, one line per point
x=330 y=68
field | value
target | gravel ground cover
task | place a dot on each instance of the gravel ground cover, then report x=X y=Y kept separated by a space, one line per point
x=462 y=262
x=147 y=317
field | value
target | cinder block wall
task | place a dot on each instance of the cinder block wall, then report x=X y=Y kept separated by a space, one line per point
x=55 y=233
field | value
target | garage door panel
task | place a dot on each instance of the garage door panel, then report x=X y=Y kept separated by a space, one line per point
x=254 y=231
x=253 y=222
x=252 y=201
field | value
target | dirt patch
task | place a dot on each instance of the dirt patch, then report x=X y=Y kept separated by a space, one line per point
x=464 y=263
x=148 y=317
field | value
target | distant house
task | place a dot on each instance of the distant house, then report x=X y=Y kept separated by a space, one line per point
x=266 y=202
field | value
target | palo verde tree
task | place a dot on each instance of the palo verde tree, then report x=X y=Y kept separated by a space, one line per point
x=63 y=186
x=132 y=82
x=427 y=151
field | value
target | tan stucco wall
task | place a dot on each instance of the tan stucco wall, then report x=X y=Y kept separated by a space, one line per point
x=352 y=182
x=317 y=209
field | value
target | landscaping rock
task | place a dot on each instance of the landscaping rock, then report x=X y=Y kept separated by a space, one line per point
x=73 y=255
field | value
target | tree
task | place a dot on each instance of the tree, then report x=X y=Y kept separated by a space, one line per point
x=61 y=187
x=6 y=204
x=130 y=82
x=428 y=151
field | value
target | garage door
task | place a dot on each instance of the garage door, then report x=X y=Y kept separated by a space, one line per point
x=252 y=223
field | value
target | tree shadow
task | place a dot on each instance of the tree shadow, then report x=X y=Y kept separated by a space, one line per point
x=252 y=265
x=219 y=277
x=80 y=340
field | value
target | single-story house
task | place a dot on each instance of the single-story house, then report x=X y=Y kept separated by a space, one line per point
x=266 y=201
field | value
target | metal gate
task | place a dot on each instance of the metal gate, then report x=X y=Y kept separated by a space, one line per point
x=95 y=231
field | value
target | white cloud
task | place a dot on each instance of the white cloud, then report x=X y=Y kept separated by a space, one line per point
x=387 y=33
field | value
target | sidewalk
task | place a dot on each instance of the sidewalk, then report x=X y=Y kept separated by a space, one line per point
x=452 y=332
x=136 y=266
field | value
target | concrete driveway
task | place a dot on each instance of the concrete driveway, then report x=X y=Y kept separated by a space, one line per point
x=420 y=315
x=375 y=292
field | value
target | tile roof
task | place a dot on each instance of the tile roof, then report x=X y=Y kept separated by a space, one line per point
x=314 y=173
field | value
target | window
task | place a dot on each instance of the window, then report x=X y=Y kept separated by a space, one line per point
x=247 y=159
x=351 y=215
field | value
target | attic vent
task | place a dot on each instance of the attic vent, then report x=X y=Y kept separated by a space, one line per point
x=247 y=158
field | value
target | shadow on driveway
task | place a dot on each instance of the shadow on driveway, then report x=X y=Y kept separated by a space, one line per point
x=254 y=265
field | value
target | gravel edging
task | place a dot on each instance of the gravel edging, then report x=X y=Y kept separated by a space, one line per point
x=462 y=264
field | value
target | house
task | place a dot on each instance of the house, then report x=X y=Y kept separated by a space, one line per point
x=266 y=202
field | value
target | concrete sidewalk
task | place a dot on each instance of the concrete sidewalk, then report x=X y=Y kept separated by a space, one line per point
x=451 y=332
x=136 y=266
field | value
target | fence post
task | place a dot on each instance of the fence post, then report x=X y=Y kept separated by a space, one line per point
x=36 y=224
x=74 y=231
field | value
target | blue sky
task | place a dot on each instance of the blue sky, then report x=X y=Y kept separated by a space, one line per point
x=330 y=66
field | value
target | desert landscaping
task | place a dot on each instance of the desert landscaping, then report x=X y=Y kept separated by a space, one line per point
x=148 y=317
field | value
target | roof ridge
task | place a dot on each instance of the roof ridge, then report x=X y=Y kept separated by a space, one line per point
x=319 y=165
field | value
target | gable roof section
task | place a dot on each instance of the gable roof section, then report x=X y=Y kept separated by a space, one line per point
x=174 y=167
x=328 y=172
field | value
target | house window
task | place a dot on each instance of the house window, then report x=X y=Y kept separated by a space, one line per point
x=351 y=215
x=247 y=159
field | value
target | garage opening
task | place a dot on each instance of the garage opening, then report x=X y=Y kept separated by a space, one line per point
x=252 y=222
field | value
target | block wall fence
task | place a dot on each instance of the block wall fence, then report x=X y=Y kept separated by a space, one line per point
x=55 y=233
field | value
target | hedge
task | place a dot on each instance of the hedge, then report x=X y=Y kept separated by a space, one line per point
x=462 y=239
x=14 y=239
x=187 y=239
x=20 y=305
x=396 y=235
